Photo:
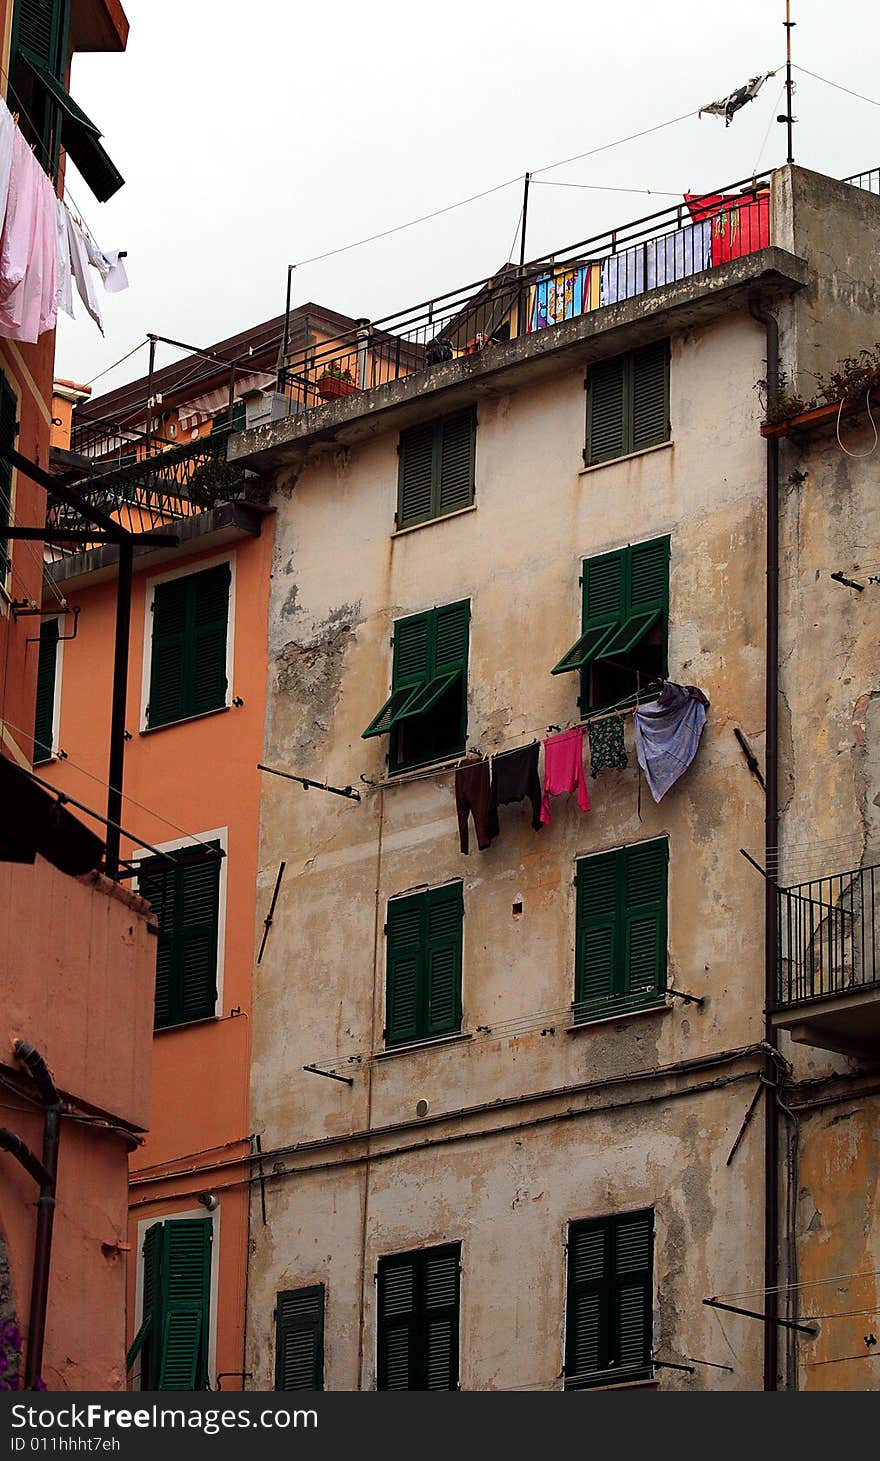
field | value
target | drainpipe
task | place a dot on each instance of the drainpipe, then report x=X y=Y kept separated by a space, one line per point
x=48 y=1178
x=771 y=843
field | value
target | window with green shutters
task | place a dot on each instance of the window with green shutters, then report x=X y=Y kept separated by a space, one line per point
x=48 y=115
x=620 y=932
x=622 y=649
x=426 y=713
x=190 y=617
x=186 y=901
x=627 y=403
x=423 y=965
x=8 y=433
x=608 y=1316
x=436 y=470
x=299 y=1339
x=172 y=1341
x=47 y=672
x=419 y=1296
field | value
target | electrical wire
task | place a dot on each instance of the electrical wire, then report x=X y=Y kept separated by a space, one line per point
x=836 y=84
x=806 y=1283
x=120 y=361
x=858 y=455
x=604 y=188
x=769 y=125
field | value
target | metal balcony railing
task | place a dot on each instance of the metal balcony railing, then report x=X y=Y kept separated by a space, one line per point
x=618 y=264
x=869 y=180
x=829 y=936
x=144 y=482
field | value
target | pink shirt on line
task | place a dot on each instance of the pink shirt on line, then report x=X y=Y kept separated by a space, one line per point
x=564 y=769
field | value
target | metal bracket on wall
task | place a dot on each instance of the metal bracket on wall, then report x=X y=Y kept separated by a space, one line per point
x=765 y=1318
x=306 y=781
x=331 y=1075
x=267 y=921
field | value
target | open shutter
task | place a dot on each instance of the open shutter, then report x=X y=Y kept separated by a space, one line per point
x=415 y=475
x=197 y=935
x=39 y=34
x=405 y=974
x=644 y=956
x=587 y=1308
x=209 y=622
x=412 y=651
x=649 y=576
x=39 y=27
x=632 y=1291
x=445 y=912
x=397 y=1304
x=604 y=582
x=145 y=1343
x=168 y=700
x=606 y=410
x=44 y=719
x=451 y=637
x=597 y=935
x=186 y=1281
x=299 y=1339
x=650 y=395
x=457 y=446
x=440 y=1319
x=157 y=882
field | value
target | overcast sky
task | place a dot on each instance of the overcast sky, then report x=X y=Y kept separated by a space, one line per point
x=256 y=134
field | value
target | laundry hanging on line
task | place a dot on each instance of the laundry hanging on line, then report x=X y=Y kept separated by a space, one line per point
x=515 y=778
x=39 y=249
x=667 y=733
x=607 y=745
x=472 y=798
x=564 y=770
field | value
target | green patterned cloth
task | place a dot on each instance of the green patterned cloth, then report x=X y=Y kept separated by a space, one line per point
x=607 y=748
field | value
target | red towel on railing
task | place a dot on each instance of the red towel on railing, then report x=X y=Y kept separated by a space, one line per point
x=739 y=225
x=564 y=769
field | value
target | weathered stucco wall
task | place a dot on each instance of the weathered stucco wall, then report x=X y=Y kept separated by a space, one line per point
x=341 y=578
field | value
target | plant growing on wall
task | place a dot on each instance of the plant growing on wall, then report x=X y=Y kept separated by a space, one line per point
x=852 y=380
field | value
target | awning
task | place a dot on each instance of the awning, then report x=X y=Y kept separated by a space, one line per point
x=79 y=134
x=34 y=821
x=201 y=408
x=607 y=641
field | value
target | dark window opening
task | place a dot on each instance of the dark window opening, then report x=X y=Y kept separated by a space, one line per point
x=434 y=736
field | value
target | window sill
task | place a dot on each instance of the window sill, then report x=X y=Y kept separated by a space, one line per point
x=150 y=730
x=431 y=521
x=392 y=1050
x=615 y=1385
x=186 y=1024
x=629 y=456
x=651 y=1009
x=428 y=768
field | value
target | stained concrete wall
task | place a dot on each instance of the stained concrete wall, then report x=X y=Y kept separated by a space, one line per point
x=341 y=577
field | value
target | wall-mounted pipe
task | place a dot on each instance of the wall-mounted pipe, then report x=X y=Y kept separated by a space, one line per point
x=771 y=859
x=37 y=1068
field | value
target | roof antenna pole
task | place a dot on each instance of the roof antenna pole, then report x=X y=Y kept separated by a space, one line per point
x=525 y=214
x=789 y=84
x=282 y=373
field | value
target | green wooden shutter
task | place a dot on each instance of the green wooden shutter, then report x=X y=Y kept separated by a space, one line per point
x=604 y=585
x=451 y=633
x=209 y=622
x=39 y=28
x=397 y=1323
x=8 y=430
x=299 y=1339
x=405 y=974
x=44 y=719
x=457 y=449
x=650 y=395
x=440 y=1321
x=632 y=1297
x=644 y=930
x=168 y=657
x=607 y=395
x=444 y=915
x=596 y=934
x=587 y=1317
x=415 y=475
x=157 y=882
x=197 y=937
x=185 y=1302
x=648 y=586
x=145 y=1342
x=412 y=651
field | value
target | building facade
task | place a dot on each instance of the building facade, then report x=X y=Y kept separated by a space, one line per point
x=522 y=1110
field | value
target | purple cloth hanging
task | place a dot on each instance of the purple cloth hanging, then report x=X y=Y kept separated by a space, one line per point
x=667 y=733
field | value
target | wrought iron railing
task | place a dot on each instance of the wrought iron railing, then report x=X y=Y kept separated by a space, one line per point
x=869 y=180
x=829 y=935
x=659 y=249
x=162 y=484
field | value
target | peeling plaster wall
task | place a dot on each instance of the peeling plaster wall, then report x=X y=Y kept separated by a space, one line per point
x=341 y=577
x=831 y=684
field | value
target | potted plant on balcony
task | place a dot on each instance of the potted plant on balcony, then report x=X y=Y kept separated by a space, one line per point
x=335 y=382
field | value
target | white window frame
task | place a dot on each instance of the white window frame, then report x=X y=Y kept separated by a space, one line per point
x=221 y=835
x=56 y=699
x=186 y=571
x=170 y=1217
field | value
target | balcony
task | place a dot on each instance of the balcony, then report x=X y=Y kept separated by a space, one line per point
x=828 y=993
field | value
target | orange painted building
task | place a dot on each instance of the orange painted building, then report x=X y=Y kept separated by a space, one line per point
x=77 y=951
